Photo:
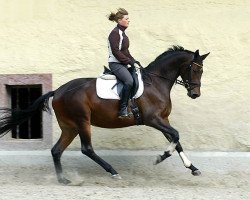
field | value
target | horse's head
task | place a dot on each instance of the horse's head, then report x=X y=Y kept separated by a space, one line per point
x=191 y=74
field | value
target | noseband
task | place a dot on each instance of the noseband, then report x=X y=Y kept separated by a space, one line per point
x=188 y=84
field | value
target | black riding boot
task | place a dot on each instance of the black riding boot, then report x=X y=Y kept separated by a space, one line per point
x=123 y=112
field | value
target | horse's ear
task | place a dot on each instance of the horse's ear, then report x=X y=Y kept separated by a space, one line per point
x=196 y=53
x=204 y=56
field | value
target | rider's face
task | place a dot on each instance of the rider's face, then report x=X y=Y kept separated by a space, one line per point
x=124 y=21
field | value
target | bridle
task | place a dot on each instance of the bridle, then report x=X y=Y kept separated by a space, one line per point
x=188 y=84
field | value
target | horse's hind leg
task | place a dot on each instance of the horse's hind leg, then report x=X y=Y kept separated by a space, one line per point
x=66 y=138
x=87 y=149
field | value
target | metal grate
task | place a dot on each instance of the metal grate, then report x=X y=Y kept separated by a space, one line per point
x=21 y=98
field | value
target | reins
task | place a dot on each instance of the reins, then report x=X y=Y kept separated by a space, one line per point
x=185 y=84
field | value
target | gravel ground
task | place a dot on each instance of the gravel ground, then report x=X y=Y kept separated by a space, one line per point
x=30 y=175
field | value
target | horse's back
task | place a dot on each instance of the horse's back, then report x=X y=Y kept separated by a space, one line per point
x=74 y=86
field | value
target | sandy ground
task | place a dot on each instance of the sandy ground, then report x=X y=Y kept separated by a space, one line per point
x=30 y=175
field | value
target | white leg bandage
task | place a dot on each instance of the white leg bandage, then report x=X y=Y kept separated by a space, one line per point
x=185 y=160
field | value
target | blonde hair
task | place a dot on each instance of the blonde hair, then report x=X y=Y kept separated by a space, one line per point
x=118 y=15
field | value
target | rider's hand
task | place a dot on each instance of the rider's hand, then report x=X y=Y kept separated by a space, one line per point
x=137 y=64
x=131 y=64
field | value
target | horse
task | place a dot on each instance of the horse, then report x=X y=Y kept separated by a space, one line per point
x=77 y=107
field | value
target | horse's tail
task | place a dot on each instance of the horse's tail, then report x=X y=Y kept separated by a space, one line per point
x=10 y=118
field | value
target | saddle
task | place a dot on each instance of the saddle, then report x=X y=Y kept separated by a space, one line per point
x=108 y=87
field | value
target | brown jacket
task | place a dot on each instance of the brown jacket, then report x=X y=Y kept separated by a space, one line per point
x=118 y=44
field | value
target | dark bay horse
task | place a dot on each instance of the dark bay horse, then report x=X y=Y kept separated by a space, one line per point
x=77 y=107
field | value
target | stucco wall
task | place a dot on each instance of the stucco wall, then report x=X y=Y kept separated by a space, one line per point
x=68 y=38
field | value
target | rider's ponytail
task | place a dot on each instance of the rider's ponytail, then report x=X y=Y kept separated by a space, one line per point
x=119 y=15
x=112 y=16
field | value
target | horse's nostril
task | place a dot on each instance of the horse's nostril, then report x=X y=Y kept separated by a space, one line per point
x=194 y=95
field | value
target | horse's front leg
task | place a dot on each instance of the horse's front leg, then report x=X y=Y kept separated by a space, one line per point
x=170 y=133
x=172 y=136
x=187 y=163
x=170 y=150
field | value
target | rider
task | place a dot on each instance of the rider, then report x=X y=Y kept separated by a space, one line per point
x=120 y=58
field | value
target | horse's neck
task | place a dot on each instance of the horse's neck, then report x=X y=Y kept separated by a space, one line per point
x=168 y=70
x=169 y=67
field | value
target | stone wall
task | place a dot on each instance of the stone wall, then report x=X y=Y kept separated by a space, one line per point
x=68 y=38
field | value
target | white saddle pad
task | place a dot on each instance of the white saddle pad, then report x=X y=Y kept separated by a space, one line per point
x=104 y=87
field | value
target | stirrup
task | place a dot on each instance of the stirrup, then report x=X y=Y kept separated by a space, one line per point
x=124 y=114
x=129 y=115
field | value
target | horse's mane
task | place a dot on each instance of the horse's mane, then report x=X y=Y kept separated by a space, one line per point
x=170 y=51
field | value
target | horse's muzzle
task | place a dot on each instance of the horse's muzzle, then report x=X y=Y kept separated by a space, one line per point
x=192 y=94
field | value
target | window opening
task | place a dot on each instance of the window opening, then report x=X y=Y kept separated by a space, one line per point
x=21 y=98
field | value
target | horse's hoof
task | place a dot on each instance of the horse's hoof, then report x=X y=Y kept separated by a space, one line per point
x=196 y=173
x=116 y=176
x=158 y=160
x=77 y=183
x=64 y=181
